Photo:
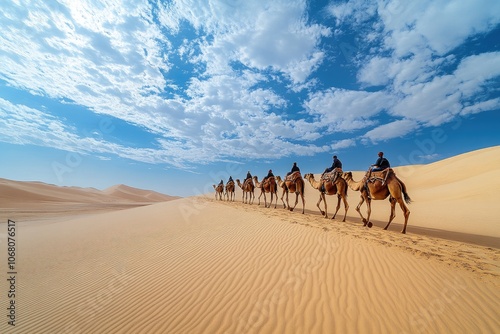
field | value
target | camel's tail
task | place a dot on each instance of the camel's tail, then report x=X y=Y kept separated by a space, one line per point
x=405 y=194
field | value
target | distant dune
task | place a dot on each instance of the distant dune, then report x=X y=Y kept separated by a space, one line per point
x=111 y=261
x=124 y=192
x=36 y=200
x=23 y=192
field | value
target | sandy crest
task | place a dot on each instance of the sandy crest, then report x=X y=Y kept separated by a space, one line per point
x=197 y=265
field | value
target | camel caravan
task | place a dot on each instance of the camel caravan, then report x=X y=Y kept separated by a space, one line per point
x=380 y=182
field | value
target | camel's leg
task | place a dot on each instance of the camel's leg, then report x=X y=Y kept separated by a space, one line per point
x=304 y=202
x=406 y=213
x=276 y=200
x=338 y=206
x=283 y=195
x=346 y=206
x=319 y=202
x=393 y=201
x=368 y=211
x=261 y=192
x=358 y=208
x=296 y=201
x=287 y=203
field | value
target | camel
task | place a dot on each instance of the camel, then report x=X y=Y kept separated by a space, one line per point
x=230 y=191
x=269 y=186
x=294 y=184
x=218 y=191
x=248 y=190
x=386 y=183
x=338 y=186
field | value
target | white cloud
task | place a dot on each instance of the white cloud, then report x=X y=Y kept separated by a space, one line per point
x=213 y=80
x=475 y=108
x=414 y=68
x=113 y=59
x=475 y=71
x=429 y=157
x=345 y=110
x=358 y=11
x=344 y=143
x=395 y=129
x=444 y=97
x=376 y=72
x=439 y=25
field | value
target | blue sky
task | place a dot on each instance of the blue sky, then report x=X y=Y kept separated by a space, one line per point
x=175 y=95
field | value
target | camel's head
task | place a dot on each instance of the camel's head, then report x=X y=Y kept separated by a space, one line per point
x=308 y=176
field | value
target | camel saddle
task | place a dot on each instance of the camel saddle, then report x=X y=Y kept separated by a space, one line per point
x=267 y=181
x=247 y=182
x=332 y=176
x=230 y=183
x=293 y=177
x=379 y=175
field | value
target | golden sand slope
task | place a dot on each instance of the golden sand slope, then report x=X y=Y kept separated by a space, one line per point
x=197 y=265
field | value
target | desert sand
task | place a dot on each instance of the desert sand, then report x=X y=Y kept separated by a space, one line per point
x=115 y=262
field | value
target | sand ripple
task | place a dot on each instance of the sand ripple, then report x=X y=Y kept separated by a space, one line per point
x=234 y=268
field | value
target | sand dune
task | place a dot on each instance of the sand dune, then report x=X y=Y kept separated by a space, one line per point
x=136 y=195
x=198 y=265
x=40 y=201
